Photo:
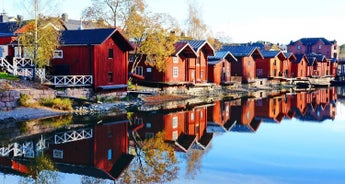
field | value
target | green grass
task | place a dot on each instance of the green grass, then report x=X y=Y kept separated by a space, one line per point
x=4 y=75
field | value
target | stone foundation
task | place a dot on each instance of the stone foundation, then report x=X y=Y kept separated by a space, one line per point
x=9 y=99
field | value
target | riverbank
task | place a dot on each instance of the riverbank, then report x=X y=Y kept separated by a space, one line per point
x=121 y=106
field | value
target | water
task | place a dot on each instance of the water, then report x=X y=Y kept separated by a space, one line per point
x=285 y=138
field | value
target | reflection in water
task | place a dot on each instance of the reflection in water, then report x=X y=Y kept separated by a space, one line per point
x=143 y=147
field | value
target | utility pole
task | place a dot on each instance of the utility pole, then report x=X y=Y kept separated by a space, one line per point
x=36 y=25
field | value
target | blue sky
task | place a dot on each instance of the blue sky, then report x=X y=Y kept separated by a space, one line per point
x=245 y=20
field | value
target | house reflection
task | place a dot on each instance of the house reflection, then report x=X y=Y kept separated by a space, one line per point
x=320 y=105
x=246 y=115
x=98 y=150
x=184 y=128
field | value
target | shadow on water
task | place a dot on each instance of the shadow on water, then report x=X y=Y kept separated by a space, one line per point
x=144 y=145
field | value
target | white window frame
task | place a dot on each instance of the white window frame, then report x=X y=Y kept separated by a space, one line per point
x=58 y=54
x=175 y=72
x=175 y=135
x=175 y=59
x=57 y=153
x=175 y=122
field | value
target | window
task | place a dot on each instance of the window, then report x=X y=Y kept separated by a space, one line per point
x=57 y=153
x=58 y=54
x=192 y=116
x=174 y=122
x=110 y=53
x=198 y=61
x=275 y=62
x=110 y=154
x=298 y=47
x=175 y=135
x=175 y=59
x=110 y=77
x=17 y=51
x=139 y=70
x=175 y=72
x=320 y=47
x=148 y=125
x=148 y=70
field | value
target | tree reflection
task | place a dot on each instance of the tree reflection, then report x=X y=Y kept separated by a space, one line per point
x=42 y=170
x=193 y=158
x=155 y=162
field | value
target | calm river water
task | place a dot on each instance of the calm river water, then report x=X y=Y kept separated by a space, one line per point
x=290 y=137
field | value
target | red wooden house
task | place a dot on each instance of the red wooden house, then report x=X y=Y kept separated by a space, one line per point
x=243 y=117
x=270 y=65
x=318 y=65
x=287 y=64
x=315 y=45
x=319 y=105
x=245 y=69
x=219 y=67
x=218 y=115
x=299 y=66
x=269 y=109
x=8 y=41
x=175 y=67
x=105 y=155
x=101 y=53
x=196 y=69
x=299 y=103
x=99 y=151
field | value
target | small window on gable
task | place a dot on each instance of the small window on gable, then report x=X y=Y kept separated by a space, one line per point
x=175 y=59
x=58 y=54
x=320 y=47
x=110 y=53
x=298 y=47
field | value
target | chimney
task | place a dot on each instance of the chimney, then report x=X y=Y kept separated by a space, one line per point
x=64 y=17
x=3 y=17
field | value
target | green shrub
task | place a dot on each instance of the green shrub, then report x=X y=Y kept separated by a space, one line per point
x=26 y=101
x=57 y=103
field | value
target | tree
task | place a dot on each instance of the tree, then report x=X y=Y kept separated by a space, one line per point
x=48 y=37
x=113 y=12
x=150 y=33
x=153 y=35
x=196 y=28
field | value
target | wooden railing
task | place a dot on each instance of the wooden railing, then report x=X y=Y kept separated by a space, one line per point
x=8 y=67
x=70 y=80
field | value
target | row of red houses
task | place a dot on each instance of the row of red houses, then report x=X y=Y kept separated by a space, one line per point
x=104 y=54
